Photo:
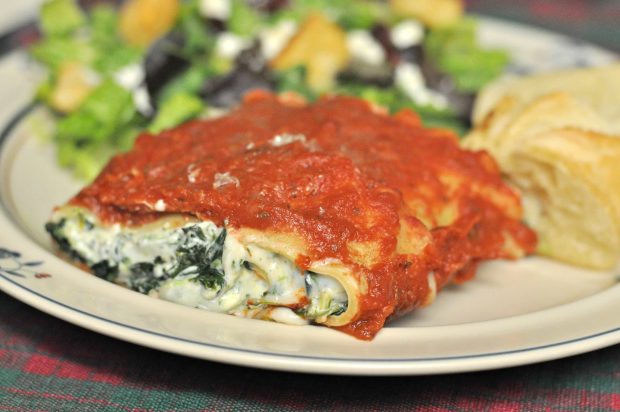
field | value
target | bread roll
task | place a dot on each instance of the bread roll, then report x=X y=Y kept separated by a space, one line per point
x=598 y=88
x=562 y=151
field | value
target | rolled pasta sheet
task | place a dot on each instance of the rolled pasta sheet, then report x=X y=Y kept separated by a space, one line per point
x=332 y=213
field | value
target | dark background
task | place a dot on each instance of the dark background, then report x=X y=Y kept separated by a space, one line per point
x=597 y=21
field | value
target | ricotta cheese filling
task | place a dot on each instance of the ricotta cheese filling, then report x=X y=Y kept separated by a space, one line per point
x=198 y=264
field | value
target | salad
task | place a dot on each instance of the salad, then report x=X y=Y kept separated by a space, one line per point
x=116 y=69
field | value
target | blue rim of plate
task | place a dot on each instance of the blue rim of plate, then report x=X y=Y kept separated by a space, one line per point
x=335 y=359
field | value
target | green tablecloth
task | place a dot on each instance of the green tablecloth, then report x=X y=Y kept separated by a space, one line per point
x=49 y=365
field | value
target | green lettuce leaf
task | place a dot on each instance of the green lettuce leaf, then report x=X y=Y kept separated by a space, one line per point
x=61 y=17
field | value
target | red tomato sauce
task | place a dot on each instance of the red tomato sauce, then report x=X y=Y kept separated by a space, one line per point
x=332 y=172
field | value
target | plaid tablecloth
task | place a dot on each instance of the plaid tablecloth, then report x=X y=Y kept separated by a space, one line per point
x=49 y=365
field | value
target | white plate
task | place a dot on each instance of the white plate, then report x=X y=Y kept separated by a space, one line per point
x=513 y=313
x=13 y=14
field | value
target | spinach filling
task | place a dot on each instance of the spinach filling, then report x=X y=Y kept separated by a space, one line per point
x=326 y=297
x=56 y=231
x=142 y=277
x=196 y=257
x=199 y=258
x=193 y=254
x=104 y=270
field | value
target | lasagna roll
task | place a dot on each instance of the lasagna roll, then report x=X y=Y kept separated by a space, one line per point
x=329 y=213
